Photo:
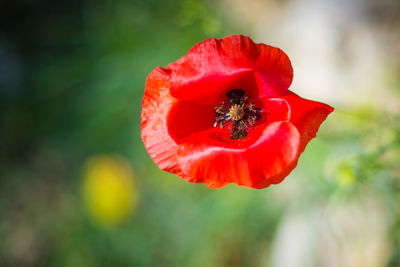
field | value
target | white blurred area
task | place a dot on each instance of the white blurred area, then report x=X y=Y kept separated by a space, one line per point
x=343 y=52
x=347 y=234
x=346 y=54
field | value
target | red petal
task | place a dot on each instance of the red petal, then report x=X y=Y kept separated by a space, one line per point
x=215 y=163
x=275 y=109
x=156 y=105
x=307 y=116
x=216 y=66
x=187 y=118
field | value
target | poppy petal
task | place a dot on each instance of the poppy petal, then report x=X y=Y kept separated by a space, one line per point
x=207 y=160
x=216 y=66
x=187 y=118
x=275 y=109
x=157 y=104
x=306 y=115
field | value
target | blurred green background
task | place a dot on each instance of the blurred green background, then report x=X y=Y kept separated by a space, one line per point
x=77 y=187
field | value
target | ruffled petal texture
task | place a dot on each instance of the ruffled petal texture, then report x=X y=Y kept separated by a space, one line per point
x=156 y=105
x=178 y=113
x=210 y=161
x=214 y=66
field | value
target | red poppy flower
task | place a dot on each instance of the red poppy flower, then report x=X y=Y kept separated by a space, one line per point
x=223 y=114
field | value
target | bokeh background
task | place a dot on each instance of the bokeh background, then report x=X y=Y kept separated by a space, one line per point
x=77 y=187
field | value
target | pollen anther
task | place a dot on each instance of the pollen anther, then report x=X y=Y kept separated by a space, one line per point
x=239 y=111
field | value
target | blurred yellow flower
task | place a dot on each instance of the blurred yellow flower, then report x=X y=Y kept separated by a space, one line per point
x=108 y=189
x=346 y=177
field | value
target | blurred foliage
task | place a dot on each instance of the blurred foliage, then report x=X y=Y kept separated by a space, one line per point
x=72 y=75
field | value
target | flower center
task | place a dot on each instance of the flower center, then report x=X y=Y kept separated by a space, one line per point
x=239 y=111
x=236 y=112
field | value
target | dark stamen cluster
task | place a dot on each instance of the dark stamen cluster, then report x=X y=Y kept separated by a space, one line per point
x=240 y=111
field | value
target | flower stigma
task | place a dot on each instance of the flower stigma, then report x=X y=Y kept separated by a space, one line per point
x=236 y=112
x=239 y=111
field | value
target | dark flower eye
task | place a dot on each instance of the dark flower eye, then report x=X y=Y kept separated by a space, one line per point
x=238 y=112
x=223 y=114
